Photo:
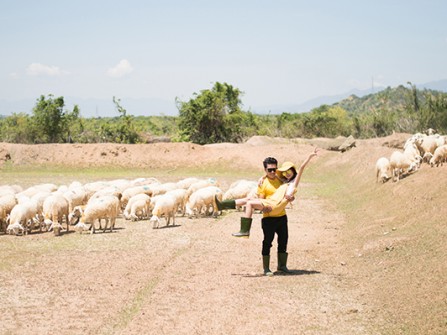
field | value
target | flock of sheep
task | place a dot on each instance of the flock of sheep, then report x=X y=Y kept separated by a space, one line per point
x=49 y=207
x=419 y=148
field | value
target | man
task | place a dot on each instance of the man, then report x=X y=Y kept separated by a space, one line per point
x=271 y=224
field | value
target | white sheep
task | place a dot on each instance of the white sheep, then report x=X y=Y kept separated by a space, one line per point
x=187 y=182
x=10 y=189
x=162 y=188
x=139 y=209
x=201 y=184
x=30 y=191
x=241 y=189
x=55 y=208
x=165 y=205
x=383 y=170
x=40 y=197
x=106 y=207
x=7 y=203
x=439 y=156
x=76 y=196
x=180 y=199
x=138 y=204
x=134 y=190
x=401 y=163
x=144 y=181
x=202 y=199
x=75 y=215
x=22 y=217
x=427 y=145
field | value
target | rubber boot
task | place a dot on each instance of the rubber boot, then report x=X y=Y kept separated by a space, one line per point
x=226 y=204
x=282 y=262
x=245 y=228
x=266 y=264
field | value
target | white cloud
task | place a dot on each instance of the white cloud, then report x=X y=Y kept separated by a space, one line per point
x=13 y=75
x=121 y=69
x=37 y=69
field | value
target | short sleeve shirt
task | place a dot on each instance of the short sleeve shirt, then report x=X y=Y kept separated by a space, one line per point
x=268 y=188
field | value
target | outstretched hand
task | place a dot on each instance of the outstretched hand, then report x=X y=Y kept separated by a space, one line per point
x=315 y=153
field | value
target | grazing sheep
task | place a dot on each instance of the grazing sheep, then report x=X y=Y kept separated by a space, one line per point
x=144 y=181
x=202 y=199
x=241 y=189
x=439 y=156
x=75 y=197
x=180 y=199
x=7 y=203
x=22 y=217
x=10 y=189
x=165 y=205
x=383 y=170
x=40 y=197
x=139 y=209
x=200 y=184
x=187 y=182
x=399 y=163
x=427 y=145
x=75 y=215
x=138 y=204
x=134 y=190
x=163 y=188
x=30 y=191
x=106 y=207
x=55 y=208
x=111 y=190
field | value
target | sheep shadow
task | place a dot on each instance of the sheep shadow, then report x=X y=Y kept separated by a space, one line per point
x=166 y=227
x=279 y=273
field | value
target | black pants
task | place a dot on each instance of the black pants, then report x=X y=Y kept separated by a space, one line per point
x=270 y=226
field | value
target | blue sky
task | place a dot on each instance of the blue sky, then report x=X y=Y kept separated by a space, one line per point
x=276 y=52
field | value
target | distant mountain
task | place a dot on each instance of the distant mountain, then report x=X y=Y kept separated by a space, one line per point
x=308 y=105
x=438 y=85
x=92 y=107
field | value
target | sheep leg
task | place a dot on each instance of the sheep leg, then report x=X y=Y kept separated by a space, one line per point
x=106 y=224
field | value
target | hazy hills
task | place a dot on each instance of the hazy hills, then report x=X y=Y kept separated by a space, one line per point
x=149 y=106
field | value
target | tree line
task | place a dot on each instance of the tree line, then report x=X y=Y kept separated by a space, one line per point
x=216 y=115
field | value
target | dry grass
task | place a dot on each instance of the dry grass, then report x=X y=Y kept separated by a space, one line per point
x=395 y=236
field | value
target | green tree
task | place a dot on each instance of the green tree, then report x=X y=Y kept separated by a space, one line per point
x=121 y=129
x=16 y=129
x=51 y=123
x=328 y=121
x=213 y=116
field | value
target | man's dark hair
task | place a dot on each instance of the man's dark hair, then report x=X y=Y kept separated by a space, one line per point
x=269 y=160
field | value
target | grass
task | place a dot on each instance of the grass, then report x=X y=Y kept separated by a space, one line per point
x=399 y=231
x=31 y=175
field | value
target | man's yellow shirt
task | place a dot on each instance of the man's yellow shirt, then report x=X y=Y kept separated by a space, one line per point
x=267 y=189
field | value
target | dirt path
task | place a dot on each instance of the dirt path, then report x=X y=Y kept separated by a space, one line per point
x=194 y=278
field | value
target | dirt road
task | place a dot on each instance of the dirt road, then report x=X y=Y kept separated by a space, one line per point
x=193 y=278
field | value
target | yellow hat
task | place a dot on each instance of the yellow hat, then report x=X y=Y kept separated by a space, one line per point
x=286 y=165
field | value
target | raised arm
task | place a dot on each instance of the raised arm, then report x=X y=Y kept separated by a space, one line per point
x=301 y=169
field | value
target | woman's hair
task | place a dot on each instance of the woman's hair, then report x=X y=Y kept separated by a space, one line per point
x=294 y=173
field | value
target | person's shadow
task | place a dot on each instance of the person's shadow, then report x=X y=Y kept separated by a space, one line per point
x=279 y=273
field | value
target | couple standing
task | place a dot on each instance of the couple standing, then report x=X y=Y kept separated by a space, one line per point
x=276 y=190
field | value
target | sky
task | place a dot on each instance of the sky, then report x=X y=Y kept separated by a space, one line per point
x=276 y=52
